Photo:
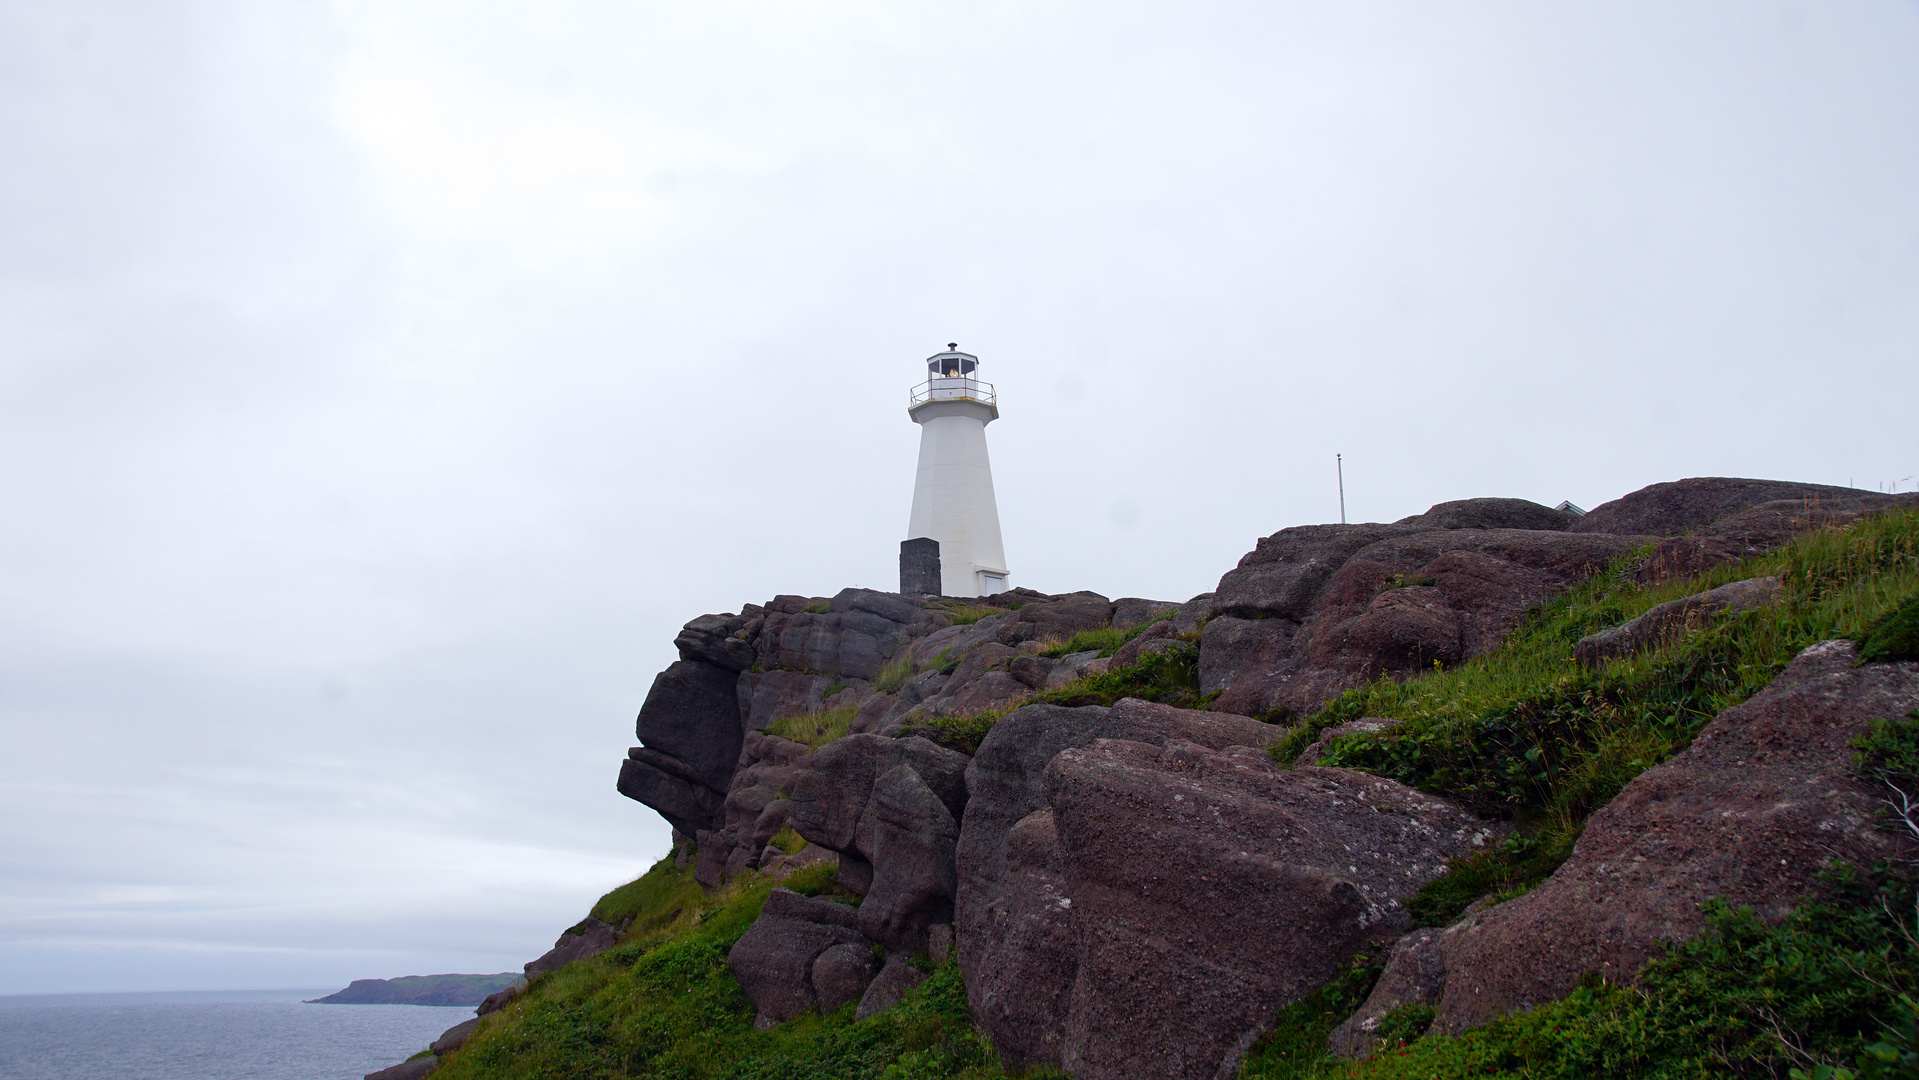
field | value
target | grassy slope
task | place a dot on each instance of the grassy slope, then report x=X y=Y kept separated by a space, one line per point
x=1519 y=732
x=663 y=1004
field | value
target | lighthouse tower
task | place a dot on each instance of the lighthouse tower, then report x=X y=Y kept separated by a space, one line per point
x=954 y=548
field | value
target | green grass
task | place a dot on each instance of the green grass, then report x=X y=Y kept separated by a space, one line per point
x=1827 y=995
x=1742 y=999
x=1106 y=640
x=895 y=673
x=1170 y=676
x=815 y=728
x=967 y=614
x=665 y=1005
x=1896 y=637
x=1526 y=732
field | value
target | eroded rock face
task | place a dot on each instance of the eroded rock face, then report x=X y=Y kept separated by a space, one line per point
x=1384 y=600
x=1210 y=889
x=832 y=786
x=775 y=959
x=716 y=640
x=1415 y=975
x=1749 y=813
x=912 y=837
x=693 y=715
x=1015 y=938
x=1282 y=576
x=888 y=987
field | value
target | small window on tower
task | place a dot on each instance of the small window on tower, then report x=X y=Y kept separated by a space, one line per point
x=992 y=583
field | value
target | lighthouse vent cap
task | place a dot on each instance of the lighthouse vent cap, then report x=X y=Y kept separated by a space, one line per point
x=952 y=364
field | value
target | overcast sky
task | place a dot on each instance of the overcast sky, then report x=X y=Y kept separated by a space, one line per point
x=382 y=383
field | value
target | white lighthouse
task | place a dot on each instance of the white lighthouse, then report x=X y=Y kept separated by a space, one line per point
x=953 y=501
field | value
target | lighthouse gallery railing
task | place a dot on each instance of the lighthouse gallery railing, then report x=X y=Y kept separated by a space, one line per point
x=957 y=389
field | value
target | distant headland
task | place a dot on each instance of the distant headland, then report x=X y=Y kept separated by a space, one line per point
x=422 y=990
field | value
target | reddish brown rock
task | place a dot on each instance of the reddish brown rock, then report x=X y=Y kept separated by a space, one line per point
x=774 y=960
x=1415 y=975
x=1761 y=529
x=591 y=938
x=1210 y=889
x=909 y=836
x=1684 y=505
x=841 y=975
x=1015 y=944
x=1750 y=813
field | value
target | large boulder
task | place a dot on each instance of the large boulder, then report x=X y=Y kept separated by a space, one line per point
x=692 y=714
x=889 y=986
x=1021 y=979
x=1131 y=611
x=1210 y=889
x=775 y=959
x=1672 y=620
x=841 y=975
x=1762 y=801
x=1684 y=505
x=1282 y=576
x=1395 y=605
x=666 y=785
x=1492 y=514
x=832 y=786
x=910 y=837
x=1012 y=928
x=1244 y=660
x=718 y=640
x=590 y=938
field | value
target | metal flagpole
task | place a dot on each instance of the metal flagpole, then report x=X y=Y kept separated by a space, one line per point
x=1339 y=463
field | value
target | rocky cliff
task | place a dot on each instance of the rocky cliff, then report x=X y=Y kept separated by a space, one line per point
x=1148 y=832
x=1101 y=863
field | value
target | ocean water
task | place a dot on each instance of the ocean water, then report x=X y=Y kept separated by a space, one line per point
x=245 y=1035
